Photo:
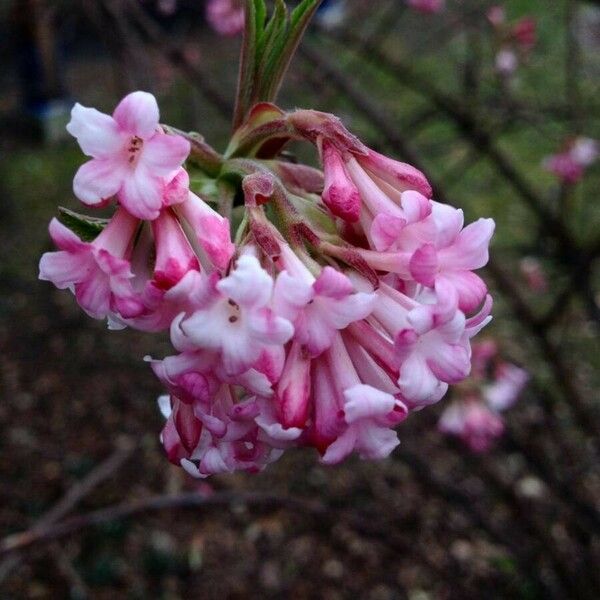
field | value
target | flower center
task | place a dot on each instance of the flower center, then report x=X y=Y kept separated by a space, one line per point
x=234 y=311
x=134 y=149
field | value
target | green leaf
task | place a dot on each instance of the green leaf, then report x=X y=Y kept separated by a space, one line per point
x=246 y=77
x=272 y=33
x=87 y=228
x=299 y=21
x=267 y=51
x=260 y=8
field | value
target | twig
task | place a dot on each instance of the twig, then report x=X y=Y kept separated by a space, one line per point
x=178 y=59
x=74 y=495
x=52 y=531
x=472 y=129
x=481 y=518
x=561 y=371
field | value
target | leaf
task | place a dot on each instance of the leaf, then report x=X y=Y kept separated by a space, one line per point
x=246 y=77
x=299 y=21
x=267 y=50
x=274 y=31
x=261 y=14
x=87 y=228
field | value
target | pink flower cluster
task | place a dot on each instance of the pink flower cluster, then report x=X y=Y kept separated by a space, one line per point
x=494 y=386
x=324 y=327
x=514 y=40
x=570 y=164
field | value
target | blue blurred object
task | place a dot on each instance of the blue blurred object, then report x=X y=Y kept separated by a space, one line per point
x=331 y=13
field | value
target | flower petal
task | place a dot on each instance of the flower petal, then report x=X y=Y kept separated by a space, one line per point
x=163 y=153
x=98 y=180
x=137 y=114
x=249 y=284
x=98 y=134
x=141 y=194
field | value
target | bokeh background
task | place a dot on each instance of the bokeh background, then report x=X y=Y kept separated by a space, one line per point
x=434 y=521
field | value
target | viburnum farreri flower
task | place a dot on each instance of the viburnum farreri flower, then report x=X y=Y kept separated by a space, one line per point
x=131 y=157
x=495 y=385
x=306 y=307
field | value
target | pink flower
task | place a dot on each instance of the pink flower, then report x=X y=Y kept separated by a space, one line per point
x=340 y=194
x=455 y=255
x=368 y=431
x=524 y=33
x=427 y=6
x=196 y=376
x=131 y=157
x=450 y=256
x=508 y=383
x=181 y=431
x=293 y=391
x=430 y=347
x=319 y=307
x=506 y=61
x=496 y=15
x=212 y=231
x=226 y=17
x=235 y=317
x=99 y=272
x=534 y=275
x=174 y=255
x=570 y=165
x=355 y=182
x=473 y=422
x=230 y=439
x=361 y=415
x=475 y=417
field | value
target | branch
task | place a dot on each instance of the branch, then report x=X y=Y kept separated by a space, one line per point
x=176 y=56
x=74 y=496
x=473 y=130
x=51 y=531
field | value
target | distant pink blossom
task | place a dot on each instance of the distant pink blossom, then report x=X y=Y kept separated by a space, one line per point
x=496 y=15
x=473 y=422
x=524 y=33
x=514 y=41
x=506 y=61
x=131 y=157
x=226 y=17
x=427 y=6
x=475 y=416
x=570 y=164
x=509 y=380
x=534 y=274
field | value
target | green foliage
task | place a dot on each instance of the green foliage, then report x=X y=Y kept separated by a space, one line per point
x=87 y=228
x=267 y=50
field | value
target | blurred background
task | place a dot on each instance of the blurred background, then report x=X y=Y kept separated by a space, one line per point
x=501 y=109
